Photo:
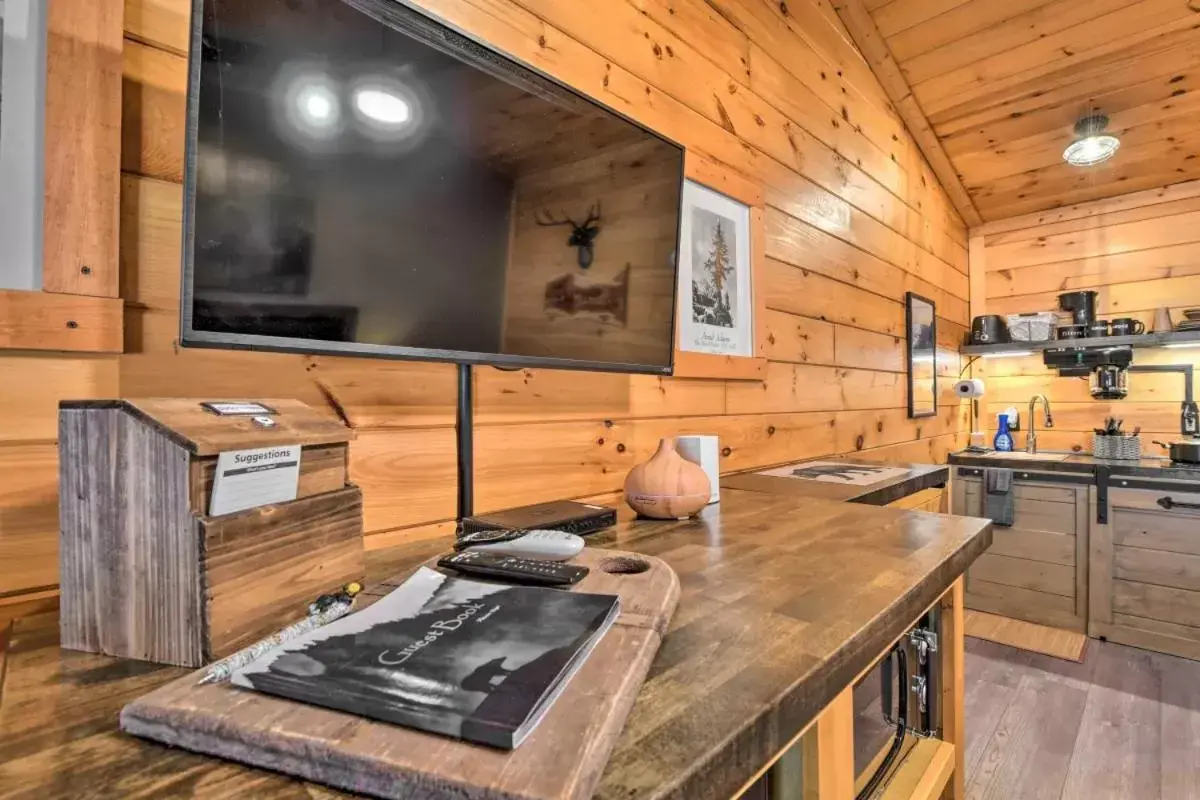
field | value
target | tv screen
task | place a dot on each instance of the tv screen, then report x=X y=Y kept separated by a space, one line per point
x=363 y=180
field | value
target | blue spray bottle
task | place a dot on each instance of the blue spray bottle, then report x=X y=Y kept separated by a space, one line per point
x=1003 y=441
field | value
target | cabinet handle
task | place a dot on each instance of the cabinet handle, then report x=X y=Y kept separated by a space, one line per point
x=1168 y=504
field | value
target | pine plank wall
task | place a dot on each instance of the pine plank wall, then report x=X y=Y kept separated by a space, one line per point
x=765 y=93
x=1140 y=251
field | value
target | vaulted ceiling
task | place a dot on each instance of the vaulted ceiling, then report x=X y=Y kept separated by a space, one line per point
x=992 y=89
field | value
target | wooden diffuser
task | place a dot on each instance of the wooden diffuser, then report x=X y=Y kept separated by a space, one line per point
x=668 y=486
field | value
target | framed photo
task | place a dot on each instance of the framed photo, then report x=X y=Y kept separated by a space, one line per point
x=921 y=325
x=716 y=298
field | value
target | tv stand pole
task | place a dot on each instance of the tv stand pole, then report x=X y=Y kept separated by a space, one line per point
x=465 y=445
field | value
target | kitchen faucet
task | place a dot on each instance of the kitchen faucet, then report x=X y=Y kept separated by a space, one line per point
x=1031 y=438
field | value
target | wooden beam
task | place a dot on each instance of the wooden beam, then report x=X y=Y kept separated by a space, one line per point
x=952 y=654
x=83 y=146
x=875 y=50
x=831 y=751
x=67 y=322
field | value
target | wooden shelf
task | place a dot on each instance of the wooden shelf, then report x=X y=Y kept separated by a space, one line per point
x=1142 y=340
x=923 y=774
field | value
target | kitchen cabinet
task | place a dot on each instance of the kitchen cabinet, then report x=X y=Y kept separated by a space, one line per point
x=1037 y=570
x=1145 y=565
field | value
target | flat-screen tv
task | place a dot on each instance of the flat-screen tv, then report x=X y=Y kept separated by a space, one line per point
x=362 y=179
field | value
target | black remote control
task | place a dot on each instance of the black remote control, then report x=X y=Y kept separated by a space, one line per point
x=515 y=570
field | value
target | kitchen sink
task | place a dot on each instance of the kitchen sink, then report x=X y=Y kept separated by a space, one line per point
x=1021 y=455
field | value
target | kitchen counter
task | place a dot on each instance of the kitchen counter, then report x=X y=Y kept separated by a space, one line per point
x=879 y=493
x=785 y=601
x=1083 y=464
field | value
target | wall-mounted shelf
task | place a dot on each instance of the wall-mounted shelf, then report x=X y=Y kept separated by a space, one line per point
x=1143 y=340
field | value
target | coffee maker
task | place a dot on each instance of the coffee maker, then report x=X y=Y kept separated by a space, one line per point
x=1081 y=305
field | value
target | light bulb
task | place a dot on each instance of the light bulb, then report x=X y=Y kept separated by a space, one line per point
x=382 y=106
x=1091 y=150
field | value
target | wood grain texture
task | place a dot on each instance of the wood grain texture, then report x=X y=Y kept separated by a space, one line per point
x=998 y=87
x=1140 y=251
x=124 y=507
x=806 y=133
x=1067 y=645
x=757 y=648
x=146 y=576
x=43 y=320
x=577 y=734
x=205 y=433
x=82 y=154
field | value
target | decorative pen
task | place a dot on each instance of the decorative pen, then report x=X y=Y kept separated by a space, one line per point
x=322 y=611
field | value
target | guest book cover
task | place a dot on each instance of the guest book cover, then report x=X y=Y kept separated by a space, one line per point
x=477 y=661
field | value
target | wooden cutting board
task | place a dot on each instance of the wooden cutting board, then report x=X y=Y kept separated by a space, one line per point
x=561 y=760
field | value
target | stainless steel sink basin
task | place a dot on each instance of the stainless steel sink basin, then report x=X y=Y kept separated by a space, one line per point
x=1021 y=455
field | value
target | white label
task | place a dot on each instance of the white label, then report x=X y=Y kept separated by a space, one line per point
x=237 y=409
x=252 y=478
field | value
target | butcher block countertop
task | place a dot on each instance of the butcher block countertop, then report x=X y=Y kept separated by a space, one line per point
x=785 y=600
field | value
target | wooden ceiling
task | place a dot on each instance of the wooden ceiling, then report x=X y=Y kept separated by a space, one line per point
x=992 y=89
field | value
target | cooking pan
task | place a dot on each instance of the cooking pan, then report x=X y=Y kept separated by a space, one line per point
x=1185 y=450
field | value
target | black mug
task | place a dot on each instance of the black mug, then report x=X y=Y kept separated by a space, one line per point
x=1098 y=328
x=1072 y=331
x=1128 y=326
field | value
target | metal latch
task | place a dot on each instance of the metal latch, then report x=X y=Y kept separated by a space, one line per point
x=920 y=687
x=926 y=642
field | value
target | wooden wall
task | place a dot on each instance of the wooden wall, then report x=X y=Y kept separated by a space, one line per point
x=1140 y=251
x=765 y=95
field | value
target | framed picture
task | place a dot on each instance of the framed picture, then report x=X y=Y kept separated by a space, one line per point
x=921 y=325
x=720 y=309
x=716 y=305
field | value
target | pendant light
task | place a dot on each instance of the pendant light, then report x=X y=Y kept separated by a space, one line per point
x=1092 y=146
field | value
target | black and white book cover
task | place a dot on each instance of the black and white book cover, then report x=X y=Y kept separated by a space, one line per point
x=464 y=658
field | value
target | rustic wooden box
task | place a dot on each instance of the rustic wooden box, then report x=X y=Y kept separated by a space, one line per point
x=147 y=574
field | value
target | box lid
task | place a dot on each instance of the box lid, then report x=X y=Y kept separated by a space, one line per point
x=205 y=433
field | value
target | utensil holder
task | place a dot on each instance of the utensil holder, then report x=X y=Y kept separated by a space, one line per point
x=1125 y=448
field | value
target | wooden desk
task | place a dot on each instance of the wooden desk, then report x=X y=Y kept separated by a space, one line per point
x=785 y=602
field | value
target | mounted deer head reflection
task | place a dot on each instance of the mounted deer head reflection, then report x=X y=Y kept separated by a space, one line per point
x=583 y=237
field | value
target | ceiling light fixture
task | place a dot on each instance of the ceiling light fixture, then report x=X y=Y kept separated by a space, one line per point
x=1093 y=145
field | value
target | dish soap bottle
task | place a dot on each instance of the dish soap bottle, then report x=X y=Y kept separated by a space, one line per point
x=1003 y=441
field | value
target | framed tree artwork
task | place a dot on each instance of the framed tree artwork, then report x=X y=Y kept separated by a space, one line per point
x=720 y=307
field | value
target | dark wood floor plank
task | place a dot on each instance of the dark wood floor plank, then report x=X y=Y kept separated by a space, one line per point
x=1180 y=727
x=1119 y=749
x=1030 y=750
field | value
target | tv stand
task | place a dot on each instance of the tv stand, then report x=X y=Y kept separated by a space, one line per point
x=465 y=444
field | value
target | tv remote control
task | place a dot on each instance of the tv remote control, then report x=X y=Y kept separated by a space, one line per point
x=535 y=544
x=515 y=570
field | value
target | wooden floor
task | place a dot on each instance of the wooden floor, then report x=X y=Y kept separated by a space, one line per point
x=1124 y=723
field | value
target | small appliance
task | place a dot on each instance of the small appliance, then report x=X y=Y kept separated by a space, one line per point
x=1082 y=306
x=989 y=329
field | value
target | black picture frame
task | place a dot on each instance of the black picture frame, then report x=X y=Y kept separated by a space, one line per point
x=920 y=349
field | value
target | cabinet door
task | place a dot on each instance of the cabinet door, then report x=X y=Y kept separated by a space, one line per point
x=1145 y=569
x=1035 y=570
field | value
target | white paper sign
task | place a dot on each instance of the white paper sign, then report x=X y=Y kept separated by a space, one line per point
x=252 y=478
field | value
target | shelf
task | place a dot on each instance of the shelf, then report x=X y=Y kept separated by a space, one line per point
x=1141 y=341
x=923 y=774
